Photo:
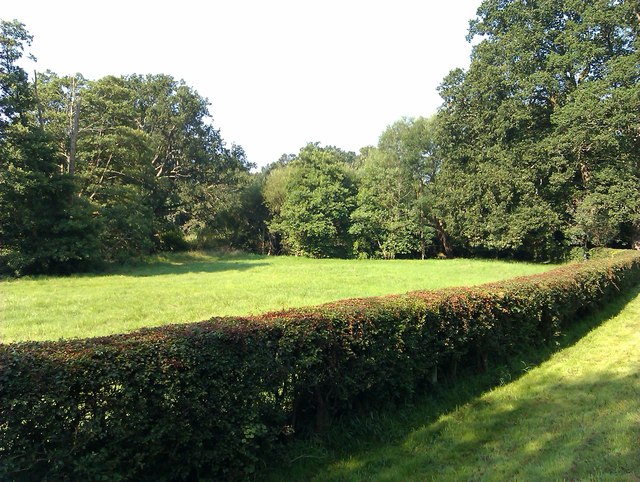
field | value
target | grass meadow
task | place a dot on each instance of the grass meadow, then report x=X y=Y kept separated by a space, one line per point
x=186 y=287
x=570 y=412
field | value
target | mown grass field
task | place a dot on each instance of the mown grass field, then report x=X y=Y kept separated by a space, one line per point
x=575 y=416
x=195 y=286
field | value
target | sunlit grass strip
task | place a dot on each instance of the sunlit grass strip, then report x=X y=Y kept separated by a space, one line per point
x=575 y=417
x=195 y=286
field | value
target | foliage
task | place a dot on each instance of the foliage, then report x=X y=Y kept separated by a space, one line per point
x=127 y=222
x=241 y=223
x=44 y=227
x=108 y=170
x=535 y=151
x=14 y=88
x=208 y=399
x=391 y=217
x=319 y=197
x=544 y=121
x=145 y=147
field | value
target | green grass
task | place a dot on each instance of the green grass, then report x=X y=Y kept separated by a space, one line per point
x=196 y=286
x=576 y=416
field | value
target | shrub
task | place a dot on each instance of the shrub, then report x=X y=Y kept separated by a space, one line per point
x=173 y=240
x=183 y=402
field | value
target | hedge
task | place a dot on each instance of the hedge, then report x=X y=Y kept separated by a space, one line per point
x=211 y=399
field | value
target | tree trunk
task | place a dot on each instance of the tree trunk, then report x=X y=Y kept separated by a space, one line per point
x=73 y=134
x=323 y=419
x=39 y=105
x=444 y=239
x=453 y=368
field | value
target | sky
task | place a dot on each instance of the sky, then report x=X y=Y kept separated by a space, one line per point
x=278 y=73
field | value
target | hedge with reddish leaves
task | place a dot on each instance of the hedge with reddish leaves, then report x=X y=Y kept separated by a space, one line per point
x=210 y=399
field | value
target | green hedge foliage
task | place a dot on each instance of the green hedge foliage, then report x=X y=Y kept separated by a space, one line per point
x=211 y=399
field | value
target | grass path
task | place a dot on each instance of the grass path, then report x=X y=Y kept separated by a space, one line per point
x=574 y=417
x=196 y=286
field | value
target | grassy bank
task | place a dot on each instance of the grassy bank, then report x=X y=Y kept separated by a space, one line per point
x=196 y=286
x=573 y=417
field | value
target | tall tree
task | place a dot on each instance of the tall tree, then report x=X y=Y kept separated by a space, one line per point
x=147 y=157
x=320 y=196
x=274 y=192
x=44 y=227
x=392 y=215
x=509 y=160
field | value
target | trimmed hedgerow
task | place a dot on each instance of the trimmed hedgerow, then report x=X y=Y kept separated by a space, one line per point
x=209 y=399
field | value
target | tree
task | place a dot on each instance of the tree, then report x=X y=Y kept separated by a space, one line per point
x=274 y=192
x=147 y=157
x=43 y=226
x=320 y=196
x=15 y=95
x=598 y=134
x=243 y=223
x=515 y=164
x=392 y=215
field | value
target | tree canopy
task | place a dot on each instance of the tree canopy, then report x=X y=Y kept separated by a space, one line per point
x=535 y=151
x=392 y=215
x=314 y=202
x=117 y=167
x=43 y=226
x=541 y=127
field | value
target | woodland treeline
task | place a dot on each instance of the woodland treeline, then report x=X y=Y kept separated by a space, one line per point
x=534 y=152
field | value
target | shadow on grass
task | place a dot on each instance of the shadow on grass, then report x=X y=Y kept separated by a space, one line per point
x=183 y=263
x=577 y=437
x=569 y=423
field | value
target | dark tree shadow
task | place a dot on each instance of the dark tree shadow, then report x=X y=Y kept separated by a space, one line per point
x=578 y=447
x=182 y=263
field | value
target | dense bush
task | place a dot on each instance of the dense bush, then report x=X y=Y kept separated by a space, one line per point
x=211 y=398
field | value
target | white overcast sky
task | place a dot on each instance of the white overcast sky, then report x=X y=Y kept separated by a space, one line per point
x=278 y=73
